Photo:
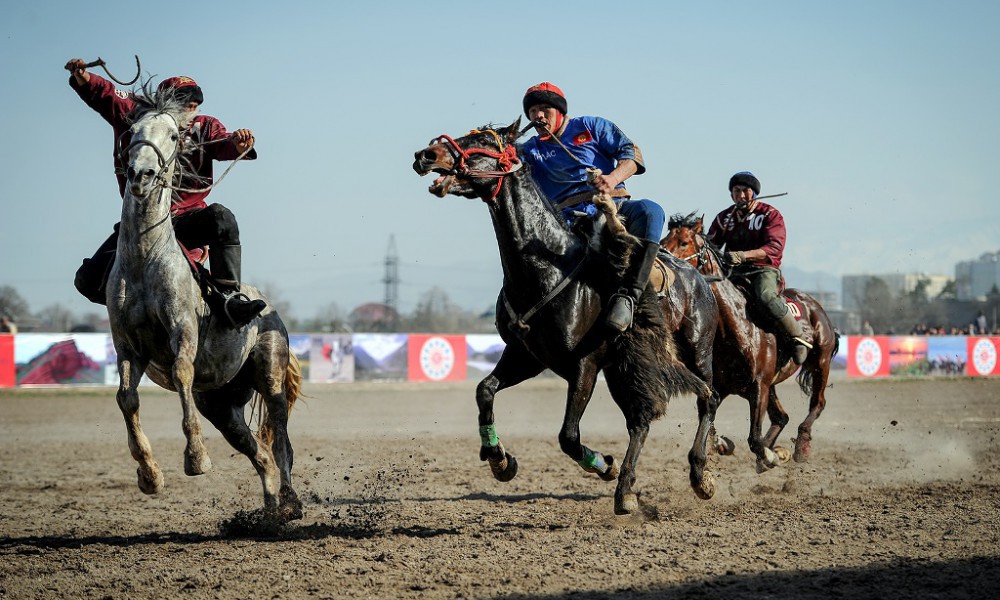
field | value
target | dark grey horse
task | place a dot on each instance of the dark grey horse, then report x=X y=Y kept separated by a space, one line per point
x=162 y=327
x=556 y=285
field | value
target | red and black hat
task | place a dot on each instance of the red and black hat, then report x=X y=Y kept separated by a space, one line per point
x=185 y=89
x=544 y=93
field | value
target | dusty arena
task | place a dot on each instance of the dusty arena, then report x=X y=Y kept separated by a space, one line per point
x=900 y=500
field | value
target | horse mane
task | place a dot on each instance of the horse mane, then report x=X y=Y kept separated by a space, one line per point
x=167 y=100
x=687 y=221
x=160 y=101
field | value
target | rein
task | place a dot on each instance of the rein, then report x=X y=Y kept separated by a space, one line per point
x=164 y=162
x=506 y=158
x=520 y=325
x=697 y=259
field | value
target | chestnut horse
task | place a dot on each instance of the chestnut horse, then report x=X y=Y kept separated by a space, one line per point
x=749 y=361
x=556 y=285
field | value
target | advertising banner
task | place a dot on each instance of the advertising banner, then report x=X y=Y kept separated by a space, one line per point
x=983 y=356
x=946 y=355
x=908 y=355
x=484 y=350
x=8 y=375
x=380 y=356
x=331 y=358
x=60 y=358
x=868 y=356
x=437 y=357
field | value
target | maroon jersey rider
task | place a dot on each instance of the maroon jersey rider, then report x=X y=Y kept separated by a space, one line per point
x=195 y=222
x=753 y=233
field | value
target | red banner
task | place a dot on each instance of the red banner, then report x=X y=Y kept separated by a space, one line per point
x=8 y=372
x=868 y=356
x=437 y=357
x=982 y=356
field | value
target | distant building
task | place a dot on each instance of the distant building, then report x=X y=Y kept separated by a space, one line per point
x=828 y=300
x=853 y=286
x=974 y=279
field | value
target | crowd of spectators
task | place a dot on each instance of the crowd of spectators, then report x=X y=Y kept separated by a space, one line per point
x=978 y=326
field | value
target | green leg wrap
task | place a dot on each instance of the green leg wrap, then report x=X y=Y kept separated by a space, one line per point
x=593 y=462
x=488 y=436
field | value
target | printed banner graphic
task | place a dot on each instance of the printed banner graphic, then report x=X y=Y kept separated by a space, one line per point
x=437 y=358
x=868 y=356
x=983 y=356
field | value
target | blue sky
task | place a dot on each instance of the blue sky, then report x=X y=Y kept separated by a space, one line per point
x=880 y=120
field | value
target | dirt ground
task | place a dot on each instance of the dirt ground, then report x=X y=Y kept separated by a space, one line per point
x=900 y=500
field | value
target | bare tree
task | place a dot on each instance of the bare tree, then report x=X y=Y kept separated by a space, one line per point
x=55 y=317
x=12 y=304
x=279 y=304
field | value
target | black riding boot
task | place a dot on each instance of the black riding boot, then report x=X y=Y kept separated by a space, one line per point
x=633 y=285
x=236 y=306
x=800 y=347
x=92 y=277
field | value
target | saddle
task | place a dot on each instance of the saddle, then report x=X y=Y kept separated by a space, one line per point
x=661 y=277
x=197 y=257
x=760 y=319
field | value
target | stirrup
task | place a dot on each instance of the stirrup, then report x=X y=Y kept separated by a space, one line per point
x=243 y=298
x=620 y=322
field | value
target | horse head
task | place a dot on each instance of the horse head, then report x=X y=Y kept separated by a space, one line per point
x=471 y=166
x=686 y=240
x=154 y=142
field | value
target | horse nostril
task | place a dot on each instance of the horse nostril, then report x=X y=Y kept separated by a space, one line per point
x=428 y=155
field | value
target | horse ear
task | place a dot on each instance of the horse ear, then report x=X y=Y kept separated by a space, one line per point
x=513 y=132
x=699 y=224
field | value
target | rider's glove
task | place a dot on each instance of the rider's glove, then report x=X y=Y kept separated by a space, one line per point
x=735 y=258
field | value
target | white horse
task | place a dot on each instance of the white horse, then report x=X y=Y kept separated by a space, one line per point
x=161 y=326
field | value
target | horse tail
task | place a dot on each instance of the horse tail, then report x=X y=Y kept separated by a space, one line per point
x=293 y=381
x=293 y=391
x=805 y=381
x=651 y=363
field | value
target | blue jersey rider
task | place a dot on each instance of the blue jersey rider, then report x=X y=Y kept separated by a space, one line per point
x=594 y=143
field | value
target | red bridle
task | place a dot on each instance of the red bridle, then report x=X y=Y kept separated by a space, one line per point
x=506 y=158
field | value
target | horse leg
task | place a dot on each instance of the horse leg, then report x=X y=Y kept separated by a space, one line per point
x=276 y=397
x=702 y=482
x=779 y=418
x=577 y=398
x=758 y=399
x=626 y=498
x=515 y=365
x=130 y=371
x=224 y=409
x=196 y=460
x=817 y=402
x=708 y=404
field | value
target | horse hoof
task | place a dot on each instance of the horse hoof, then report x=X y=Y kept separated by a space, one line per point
x=150 y=482
x=784 y=455
x=291 y=511
x=627 y=504
x=802 y=450
x=504 y=470
x=194 y=466
x=706 y=490
x=725 y=446
x=612 y=473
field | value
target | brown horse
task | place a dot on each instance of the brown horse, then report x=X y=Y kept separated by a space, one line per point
x=748 y=360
